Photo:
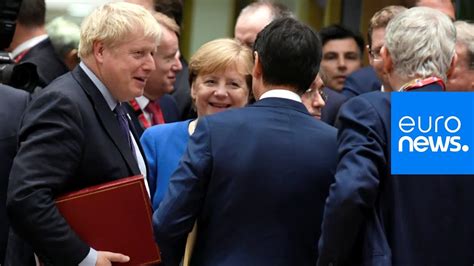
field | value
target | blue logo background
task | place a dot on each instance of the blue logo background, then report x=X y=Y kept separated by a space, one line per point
x=434 y=104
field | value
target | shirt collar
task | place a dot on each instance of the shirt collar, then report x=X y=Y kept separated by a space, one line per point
x=278 y=93
x=28 y=45
x=142 y=101
x=111 y=101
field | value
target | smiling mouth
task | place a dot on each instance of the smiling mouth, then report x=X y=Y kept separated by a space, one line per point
x=220 y=105
x=140 y=79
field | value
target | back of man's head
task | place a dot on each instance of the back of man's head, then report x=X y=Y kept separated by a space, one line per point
x=381 y=19
x=421 y=43
x=290 y=53
x=32 y=13
x=338 y=32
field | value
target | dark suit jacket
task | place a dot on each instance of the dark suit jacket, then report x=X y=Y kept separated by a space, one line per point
x=69 y=139
x=255 y=179
x=361 y=81
x=182 y=93
x=12 y=104
x=48 y=65
x=168 y=108
x=375 y=218
x=333 y=103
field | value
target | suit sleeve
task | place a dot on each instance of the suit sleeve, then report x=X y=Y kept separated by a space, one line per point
x=183 y=201
x=50 y=145
x=362 y=161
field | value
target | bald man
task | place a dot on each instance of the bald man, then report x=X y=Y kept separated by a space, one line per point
x=445 y=6
x=254 y=17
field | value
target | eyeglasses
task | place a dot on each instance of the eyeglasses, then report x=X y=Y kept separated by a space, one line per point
x=375 y=53
x=311 y=94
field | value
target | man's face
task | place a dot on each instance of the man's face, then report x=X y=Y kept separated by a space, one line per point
x=375 y=59
x=167 y=64
x=462 y=78
x=250 y=24
x=313 y=98
x=341 y=57
x=125 y=68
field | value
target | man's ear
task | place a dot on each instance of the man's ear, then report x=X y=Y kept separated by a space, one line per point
x=452 y=66
x=98 y=48
x=257 y=67
x=387 y=60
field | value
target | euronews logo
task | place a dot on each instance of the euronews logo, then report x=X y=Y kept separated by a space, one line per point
x=432 y=133
x=438 y=134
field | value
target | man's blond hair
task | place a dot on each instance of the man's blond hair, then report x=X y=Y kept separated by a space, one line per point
x=112 y=22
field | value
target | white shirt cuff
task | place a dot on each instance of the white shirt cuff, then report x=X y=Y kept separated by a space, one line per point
x=90 y=259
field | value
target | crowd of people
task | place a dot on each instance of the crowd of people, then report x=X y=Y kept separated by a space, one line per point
x=269 y=148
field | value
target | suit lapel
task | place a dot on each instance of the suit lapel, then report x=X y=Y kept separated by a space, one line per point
x=106 y=118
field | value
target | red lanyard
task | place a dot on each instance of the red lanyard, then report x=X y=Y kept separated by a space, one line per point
x=418 y=83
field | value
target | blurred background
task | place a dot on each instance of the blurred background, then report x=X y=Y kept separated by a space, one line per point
x=205 y=20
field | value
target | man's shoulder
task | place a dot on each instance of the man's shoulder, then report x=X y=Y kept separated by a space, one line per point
x=376 y=99
x=361 y=81
x=367 y=109
x=11 y=94
x=65 y=84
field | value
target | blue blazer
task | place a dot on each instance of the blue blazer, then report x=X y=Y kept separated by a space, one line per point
x=375 y=218
x=255 y=178
x=361 y=81
x=164 y=145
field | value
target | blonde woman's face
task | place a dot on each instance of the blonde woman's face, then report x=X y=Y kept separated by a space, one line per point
x=219 y=91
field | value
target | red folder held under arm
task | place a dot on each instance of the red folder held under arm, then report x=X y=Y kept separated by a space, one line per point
x=114 y=216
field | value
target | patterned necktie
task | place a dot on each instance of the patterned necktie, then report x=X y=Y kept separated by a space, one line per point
x=124 y=126
x=156 y=114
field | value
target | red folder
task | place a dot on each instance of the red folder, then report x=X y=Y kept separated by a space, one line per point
x=114 y=216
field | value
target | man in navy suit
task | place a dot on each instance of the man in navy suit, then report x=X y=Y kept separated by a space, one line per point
x=31 y=44
x=372 y=217
x=254 y=179
x=12 y=104
x=75 y=134
x=342 y=55
x=372 y=78
x=156 y=106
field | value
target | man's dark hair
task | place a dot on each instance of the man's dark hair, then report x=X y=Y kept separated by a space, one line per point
x=289 y=52
x=171 y=8
x=338 y=32
x=32 y=13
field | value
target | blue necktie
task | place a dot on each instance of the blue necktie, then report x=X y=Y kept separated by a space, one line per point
x=124 y=126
